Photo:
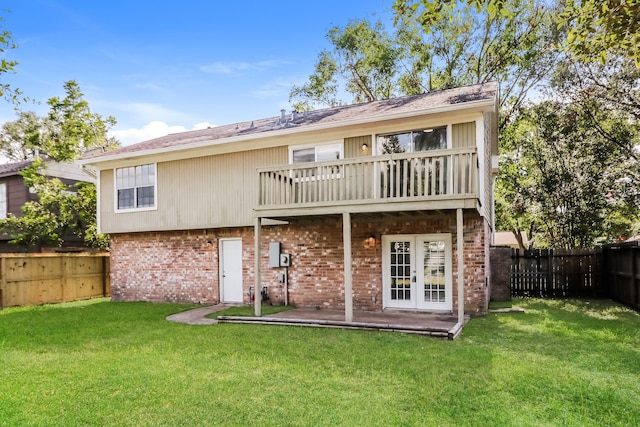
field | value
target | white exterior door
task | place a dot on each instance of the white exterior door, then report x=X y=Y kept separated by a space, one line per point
x=231 y=270
x=417 y=271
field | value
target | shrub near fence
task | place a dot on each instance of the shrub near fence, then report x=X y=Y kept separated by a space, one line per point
x=31 y=279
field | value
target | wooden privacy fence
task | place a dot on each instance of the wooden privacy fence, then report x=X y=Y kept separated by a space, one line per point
x=555 y=273
x=612 y=271
x=32 y=279
x=621 y=268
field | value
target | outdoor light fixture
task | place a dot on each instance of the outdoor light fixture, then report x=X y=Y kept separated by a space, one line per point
x=365 y=147
x=371 y=241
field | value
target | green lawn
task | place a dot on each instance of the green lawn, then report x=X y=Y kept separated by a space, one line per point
x=573 y=363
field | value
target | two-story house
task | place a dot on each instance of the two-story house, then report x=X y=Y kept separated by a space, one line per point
x=14 y=194
x=381 y=205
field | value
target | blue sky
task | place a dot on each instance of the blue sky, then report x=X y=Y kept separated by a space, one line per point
x=164 y=66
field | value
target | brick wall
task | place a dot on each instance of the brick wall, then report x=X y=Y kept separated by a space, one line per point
x=500 y=273
x=183 y=266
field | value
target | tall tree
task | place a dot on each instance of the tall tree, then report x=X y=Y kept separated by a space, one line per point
x=564 y=180
x=464 y=46
x=22 y=138
x=595 y=28
x=69 y=130
x=9 y=93
x=364 y=58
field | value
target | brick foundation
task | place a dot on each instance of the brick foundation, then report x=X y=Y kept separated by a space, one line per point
x=182 y=266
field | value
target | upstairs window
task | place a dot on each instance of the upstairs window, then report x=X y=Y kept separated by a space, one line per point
x=3 y=200
x=412 y=141
x=136 y=187
x=317 y=153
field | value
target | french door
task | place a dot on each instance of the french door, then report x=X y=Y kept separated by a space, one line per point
x=417 y=272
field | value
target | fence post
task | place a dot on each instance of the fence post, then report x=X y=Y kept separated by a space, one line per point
x=104 y=276
x=3 y=280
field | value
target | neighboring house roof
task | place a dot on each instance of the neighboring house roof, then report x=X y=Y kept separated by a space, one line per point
x=53 y=169
x=506 y=238
x=9 y=169
x=484 y=95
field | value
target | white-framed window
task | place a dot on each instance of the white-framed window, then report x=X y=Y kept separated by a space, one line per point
x=323 y=152
x=136 y=188
x=411 y=141
x=3 y=200
x=326 y=151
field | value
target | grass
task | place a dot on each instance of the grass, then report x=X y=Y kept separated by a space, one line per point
x=500 y=304
x=562 y=363
x=248 y=311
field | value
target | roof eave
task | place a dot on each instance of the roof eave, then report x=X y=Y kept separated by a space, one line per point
x=482 y=103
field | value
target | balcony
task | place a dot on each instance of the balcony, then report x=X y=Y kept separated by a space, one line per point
x=421 y=181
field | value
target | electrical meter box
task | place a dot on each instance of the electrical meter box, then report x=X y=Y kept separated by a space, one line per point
x=285 y=260
x=274 y=254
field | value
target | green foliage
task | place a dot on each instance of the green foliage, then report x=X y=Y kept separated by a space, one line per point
x=69 y=130
x=459 y=45
x=61 y=210
x=453 y=44
x=364 y=57
x=566 y=178
x=9 y=93
x=568 y=363
x=594 y=28
x=597 y=27
x=72 y=129
x=21 y=139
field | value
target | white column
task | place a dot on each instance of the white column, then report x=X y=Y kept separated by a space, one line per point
x=460 y=255
x=257 y=288
x=348 y=291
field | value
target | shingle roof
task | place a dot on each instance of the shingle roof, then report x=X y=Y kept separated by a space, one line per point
x=8 y=169
x=372 y=110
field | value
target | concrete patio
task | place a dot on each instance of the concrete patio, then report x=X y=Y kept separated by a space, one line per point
x=437 y=325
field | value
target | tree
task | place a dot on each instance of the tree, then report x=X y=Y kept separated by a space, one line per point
x=364 y=56
x=569 y=183
x=21 y=139
x=7 y=92
x=595 y=28
x=69 y=130
x=463 y=46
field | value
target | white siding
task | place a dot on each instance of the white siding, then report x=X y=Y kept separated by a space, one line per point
x=204 y=192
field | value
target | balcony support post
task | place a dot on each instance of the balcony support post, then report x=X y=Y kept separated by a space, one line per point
x=257 y=288
x=460 y=256
x=348 y=291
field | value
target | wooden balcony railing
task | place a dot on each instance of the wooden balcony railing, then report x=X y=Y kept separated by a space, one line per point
x=425 y=175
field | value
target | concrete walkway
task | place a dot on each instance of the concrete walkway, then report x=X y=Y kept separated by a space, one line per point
x=198 y=316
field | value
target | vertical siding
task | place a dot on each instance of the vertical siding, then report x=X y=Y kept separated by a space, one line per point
x=204 y=192
x=464 y=135
x=353 y=146
x=488 y=188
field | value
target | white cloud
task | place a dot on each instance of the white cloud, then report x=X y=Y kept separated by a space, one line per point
x=278 y=87
x=154 y=129
x=229 y=68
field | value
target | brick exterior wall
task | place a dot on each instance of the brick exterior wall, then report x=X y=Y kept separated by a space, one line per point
x=183 y=266
x=500 y=273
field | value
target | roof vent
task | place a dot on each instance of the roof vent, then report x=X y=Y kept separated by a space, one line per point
x=237 y=126
x=252 y=125
x=283 y=117
x=294 y=115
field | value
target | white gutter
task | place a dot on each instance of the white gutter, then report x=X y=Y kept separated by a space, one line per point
x=287 y=131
